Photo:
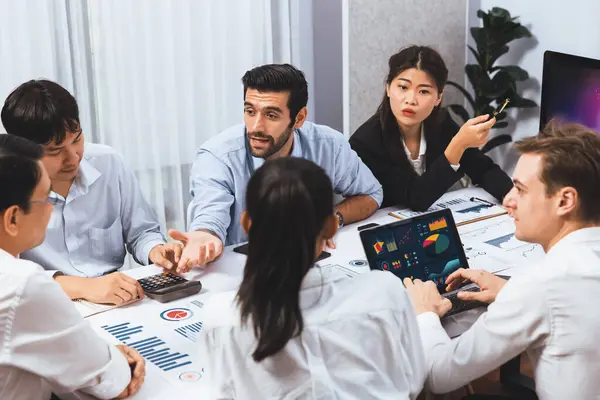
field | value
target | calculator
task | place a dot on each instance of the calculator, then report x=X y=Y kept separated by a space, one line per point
x=165 y=287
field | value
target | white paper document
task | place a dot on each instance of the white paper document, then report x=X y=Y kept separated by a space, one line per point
x=466 y=205
x=491 y=243
x=165 y=335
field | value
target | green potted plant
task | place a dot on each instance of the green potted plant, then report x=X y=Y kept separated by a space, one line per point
x=491 y=83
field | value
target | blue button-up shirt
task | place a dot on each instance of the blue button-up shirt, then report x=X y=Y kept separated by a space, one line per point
x=224 y=164
x=104 y=214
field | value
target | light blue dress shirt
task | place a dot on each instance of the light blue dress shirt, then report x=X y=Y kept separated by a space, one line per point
x=104 y=213
x=224 y=164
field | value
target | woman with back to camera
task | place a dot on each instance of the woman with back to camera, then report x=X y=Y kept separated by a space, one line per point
x=412 y=145
x=297 y=330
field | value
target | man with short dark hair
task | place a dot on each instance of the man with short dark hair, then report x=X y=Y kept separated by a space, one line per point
x=548 y=310
x=100 y=211
x=275 y=98
x=45 y=344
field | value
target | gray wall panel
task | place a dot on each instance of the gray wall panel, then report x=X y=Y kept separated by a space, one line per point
x=379 y=28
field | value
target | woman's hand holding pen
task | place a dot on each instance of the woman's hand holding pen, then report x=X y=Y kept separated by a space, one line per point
x=474 y=133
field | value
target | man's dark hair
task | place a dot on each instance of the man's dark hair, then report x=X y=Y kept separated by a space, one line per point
x=570 y=157
x=19 y=171
x=41 y=111
x=279 y=78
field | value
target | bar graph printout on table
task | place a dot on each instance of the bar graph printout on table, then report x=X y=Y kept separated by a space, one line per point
x=165 y=335
x=491 y=243
x=465 y=207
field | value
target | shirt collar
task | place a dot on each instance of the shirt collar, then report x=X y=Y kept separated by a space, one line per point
x=422 y=145
x=86 y=176
x=579 y=236
x=5 y=254
x=321 y=276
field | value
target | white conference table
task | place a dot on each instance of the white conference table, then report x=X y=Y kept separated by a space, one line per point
x=220 y=276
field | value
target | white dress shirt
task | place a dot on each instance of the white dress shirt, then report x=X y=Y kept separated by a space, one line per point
x=104 y=213
x=549 y=310
x=418 y=163
x=45 y=344
x=360 y=341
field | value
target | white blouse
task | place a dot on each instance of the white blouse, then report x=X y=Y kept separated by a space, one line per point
x=360 y=341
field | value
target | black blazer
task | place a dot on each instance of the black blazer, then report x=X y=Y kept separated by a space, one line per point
x=385 y=156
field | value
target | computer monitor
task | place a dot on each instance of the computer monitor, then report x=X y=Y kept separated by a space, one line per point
x=570 y=90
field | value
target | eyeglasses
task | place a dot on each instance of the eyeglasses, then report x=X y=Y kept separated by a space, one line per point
x=51 y=200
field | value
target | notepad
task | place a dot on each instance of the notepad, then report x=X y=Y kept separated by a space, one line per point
x=87 y=308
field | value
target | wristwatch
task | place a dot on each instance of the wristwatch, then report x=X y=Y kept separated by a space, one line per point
x=340 y=218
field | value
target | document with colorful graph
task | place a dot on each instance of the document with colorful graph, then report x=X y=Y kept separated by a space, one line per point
x=166 y=336
x=467 y=205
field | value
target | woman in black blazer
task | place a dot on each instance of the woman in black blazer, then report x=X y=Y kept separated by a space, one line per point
x=409 y=110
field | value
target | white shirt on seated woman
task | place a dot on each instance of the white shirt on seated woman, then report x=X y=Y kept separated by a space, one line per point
x=294 y=330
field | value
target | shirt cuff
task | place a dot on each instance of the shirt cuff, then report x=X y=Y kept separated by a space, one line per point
x=378 y=197
x=432 y=331
x=143 y=256
x=54 y=274
x=455 y=167
x=201 y=226
x=115 y=378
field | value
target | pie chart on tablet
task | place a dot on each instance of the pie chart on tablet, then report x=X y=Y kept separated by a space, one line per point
x=436 y=244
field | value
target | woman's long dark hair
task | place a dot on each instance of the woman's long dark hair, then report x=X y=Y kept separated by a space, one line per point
x=423 y=58
x=288 y=201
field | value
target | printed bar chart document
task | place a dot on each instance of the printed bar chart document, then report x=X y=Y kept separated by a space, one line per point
x=467 y=206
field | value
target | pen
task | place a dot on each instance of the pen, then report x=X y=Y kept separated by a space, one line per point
x=481 y=201
x=498 y=111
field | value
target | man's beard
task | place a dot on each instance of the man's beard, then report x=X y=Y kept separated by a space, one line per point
x=274 y=146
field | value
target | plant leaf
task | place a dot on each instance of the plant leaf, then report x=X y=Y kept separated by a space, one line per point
x=476 y=55
x=517 y=101
x=460 y=111
x=496 y=141
x=522 y=32
x=478 y=78
x=500 y=12
x=500 y=84
x=463 y=91
x=484 y=16
x=526 y=103
x=516 y=73
x=478 y=36
x=496 y=53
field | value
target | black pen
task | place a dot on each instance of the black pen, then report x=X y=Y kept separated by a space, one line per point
x=482 y=201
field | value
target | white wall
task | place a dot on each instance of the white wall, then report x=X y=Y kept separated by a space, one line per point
x=569 y=27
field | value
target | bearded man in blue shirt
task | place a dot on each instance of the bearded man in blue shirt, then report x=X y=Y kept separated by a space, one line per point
x=275 y=99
